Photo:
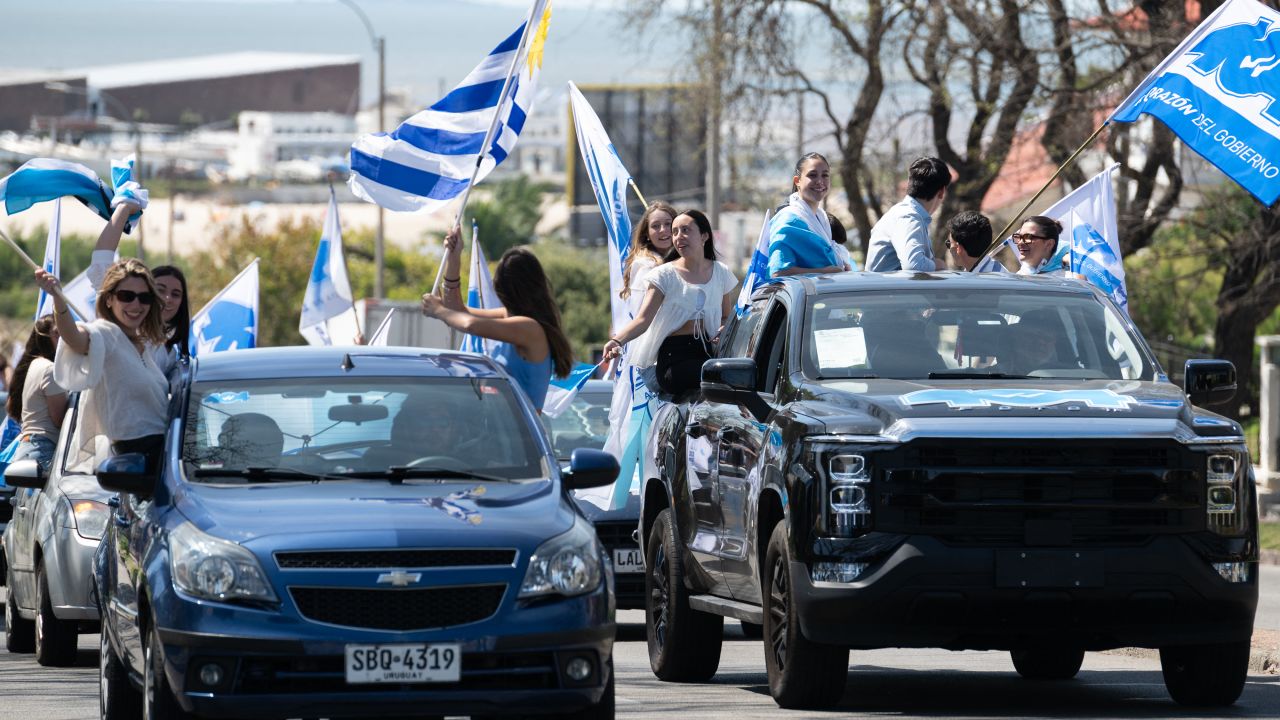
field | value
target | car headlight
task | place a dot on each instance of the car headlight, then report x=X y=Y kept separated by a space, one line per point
x=209 y=567
x=90 y=518
x=567 y=564
x=842 y=478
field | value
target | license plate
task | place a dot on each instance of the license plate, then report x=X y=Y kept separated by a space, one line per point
x=628 y=561
x=1049 y=569
x=412 y=663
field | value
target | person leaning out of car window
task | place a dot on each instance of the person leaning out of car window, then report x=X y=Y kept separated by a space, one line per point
x=1039 y=249
x=35 y=400
x=112 y=360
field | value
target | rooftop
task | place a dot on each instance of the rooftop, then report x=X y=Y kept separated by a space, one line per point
x=206 y=67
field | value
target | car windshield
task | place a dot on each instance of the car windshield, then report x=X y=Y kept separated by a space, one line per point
x=584 y=424
x=323 y=428
x=993 y=333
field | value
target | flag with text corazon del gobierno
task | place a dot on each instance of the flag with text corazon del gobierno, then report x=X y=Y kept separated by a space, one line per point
x=1219 y=92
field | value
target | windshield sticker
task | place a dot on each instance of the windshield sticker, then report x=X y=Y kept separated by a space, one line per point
x=225 y=398
x=1015 y=398
x=844 y=347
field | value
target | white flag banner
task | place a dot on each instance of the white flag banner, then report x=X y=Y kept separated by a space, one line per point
x=81 y=294
x=480 y=295
x=1089 y=229
x=328 y=292
x=52 y=259
x=230 y=320
x=381 y=335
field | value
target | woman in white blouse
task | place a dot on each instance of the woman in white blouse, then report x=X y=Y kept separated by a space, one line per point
x=113 y=360
x=684 y=307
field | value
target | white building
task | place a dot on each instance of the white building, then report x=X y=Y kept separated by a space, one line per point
x=293 y=146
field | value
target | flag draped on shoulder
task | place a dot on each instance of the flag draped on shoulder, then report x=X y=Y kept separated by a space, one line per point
x=562 y=391
x=609 y=179
x=429 y=159
x=480 y=295
x=1218 y=92
x=52 y=259
x=230 y=320
x=758 y=270
x=1089 y=229
x=328 y=290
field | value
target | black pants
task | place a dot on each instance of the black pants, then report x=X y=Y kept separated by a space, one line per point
x=151 y=446
x=680 y=359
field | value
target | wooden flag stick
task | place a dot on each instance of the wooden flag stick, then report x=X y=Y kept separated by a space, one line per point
x=638 y=193
x=56 y=291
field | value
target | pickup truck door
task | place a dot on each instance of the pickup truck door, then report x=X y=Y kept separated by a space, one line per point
x=701 y=429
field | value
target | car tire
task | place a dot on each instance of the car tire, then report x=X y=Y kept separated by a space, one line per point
x=118 y=699
x=751 y=631
x=158 y=700
x=1205 y=675
x=19 y=634
x=1051 y=663
x=802 y=673
x=55 y=640
x=684 y=644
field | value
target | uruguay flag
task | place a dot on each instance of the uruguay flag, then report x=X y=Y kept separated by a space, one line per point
x=759 y=267
x=230 y=320
x=1217 y=93
x=562 y=391
x=1088 y=217
x=609 y=179
x=429 y=159
x=480 y=295
x=328 y=292
x=52 y=259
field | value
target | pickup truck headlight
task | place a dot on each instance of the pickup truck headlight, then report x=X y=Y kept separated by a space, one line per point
x=845 y=488
x=208 y=567
x=567 y=564
x=1224 y=503
x=90 y=517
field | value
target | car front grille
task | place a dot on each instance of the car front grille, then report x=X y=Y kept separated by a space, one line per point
x=407 y=559
x=398 y=609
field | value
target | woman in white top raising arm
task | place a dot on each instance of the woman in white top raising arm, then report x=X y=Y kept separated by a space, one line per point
x=683 y=309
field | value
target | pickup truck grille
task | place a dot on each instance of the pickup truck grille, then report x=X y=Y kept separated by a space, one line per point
x=1040 y=492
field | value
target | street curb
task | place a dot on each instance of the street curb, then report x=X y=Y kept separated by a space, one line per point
x=1262 y=661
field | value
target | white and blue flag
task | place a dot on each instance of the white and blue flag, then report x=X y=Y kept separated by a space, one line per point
x=1218 y=92
x=989 y=263
x=429 y=159
x=43 y=179
x=81 y=294
x=758 y=270
x=1091 y=236
x=609 y=180
x=480 y=295
x=328 y=292
x=230 y=320
x=562 y=391
x=382 y=335
x=52 y=259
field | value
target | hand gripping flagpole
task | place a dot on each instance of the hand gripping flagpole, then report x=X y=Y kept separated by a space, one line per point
x=997 y=241
x=493 y=125
x=57 y=290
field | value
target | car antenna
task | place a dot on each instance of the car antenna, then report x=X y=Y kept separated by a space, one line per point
x=346 y=362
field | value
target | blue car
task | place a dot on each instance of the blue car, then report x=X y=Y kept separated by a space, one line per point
x=352 y=533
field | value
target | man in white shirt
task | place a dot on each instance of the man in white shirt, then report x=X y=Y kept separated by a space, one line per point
x=900 y=240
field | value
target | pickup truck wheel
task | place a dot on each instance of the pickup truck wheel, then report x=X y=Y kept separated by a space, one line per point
x=1205 y=675
x=55 y=639
x=684 y=644
x=19 y=634
x=802 y=673
x=1048 y=663
x=118 y=699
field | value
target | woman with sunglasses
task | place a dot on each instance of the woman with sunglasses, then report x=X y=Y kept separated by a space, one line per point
x=1038 y=247
x=800 y=233
x=112 y=360
x=684 y=307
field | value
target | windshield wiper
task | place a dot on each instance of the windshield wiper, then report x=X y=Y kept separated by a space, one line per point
x=974 y=375
x=260 y=473
x=399 y=473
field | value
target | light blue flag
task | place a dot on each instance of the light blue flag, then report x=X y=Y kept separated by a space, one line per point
x=328 y=292
x=43 y=179
x=1090 y=239
x=1218 y=91
x=428 y=160
x=52 y=259
x=480 y=295
x=758 y=270
x=1098 y=262
x=230 y=320
x=562 y=391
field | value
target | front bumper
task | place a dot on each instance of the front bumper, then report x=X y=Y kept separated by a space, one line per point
x=71 y=576
x=930 y=594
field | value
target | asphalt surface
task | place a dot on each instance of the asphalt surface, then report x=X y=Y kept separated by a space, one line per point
x=1268 y=599
x=904 y=684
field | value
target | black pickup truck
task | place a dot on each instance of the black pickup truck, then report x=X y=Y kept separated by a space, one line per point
x=957 y=461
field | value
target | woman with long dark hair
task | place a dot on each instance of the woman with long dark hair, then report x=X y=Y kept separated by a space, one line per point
x=1039 y=248
x=35 y=400
x=800 y=233
x=531 y=344
x=683 y=310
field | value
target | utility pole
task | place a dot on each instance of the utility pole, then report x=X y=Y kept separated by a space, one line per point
x=713 y=116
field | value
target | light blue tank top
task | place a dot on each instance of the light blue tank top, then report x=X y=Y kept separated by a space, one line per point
x=533 y=378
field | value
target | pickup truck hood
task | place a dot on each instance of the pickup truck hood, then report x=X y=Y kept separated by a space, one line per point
x=1053 y=408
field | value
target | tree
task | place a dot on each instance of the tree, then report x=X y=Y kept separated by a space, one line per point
x=508 y=217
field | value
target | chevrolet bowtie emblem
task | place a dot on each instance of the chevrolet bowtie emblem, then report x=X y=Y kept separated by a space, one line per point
x=399 y=578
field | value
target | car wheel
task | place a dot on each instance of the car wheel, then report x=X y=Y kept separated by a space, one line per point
x=802 y=673
x=1205 y=675
x=55 y=639
x=19 y=634
x=118 y=699
x=750 y=630
x=1047 y=663
x=158 y=700
x=684 y=644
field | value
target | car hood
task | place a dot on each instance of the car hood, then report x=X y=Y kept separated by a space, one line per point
x=379 y=514
x=1053 y=408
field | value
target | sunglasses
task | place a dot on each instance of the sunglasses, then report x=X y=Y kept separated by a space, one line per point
x=128 y=296
x=1026 y=238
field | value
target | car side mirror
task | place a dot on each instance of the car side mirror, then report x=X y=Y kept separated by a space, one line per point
x=25 y=474
x=1209 y=382
x=127 y=474
x=590 y=468
x=732 y=381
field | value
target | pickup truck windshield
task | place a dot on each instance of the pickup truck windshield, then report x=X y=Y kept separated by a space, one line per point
x=971 y=334
x=332 y=427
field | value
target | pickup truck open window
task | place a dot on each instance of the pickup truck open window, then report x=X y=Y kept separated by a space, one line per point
x=770 y=353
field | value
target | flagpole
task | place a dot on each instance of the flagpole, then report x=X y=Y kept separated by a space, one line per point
x=493 y=125
x=997 y=242
x=638 y=194
x=57 y=290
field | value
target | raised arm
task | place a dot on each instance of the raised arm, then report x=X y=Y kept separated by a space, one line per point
x=634 y=329
x=523 y=332
x=451 y=284
x=75 y=338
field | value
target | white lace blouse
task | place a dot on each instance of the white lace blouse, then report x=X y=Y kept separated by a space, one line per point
x=681 y=302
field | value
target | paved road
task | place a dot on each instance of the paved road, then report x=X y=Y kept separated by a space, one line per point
x=1268 y=598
